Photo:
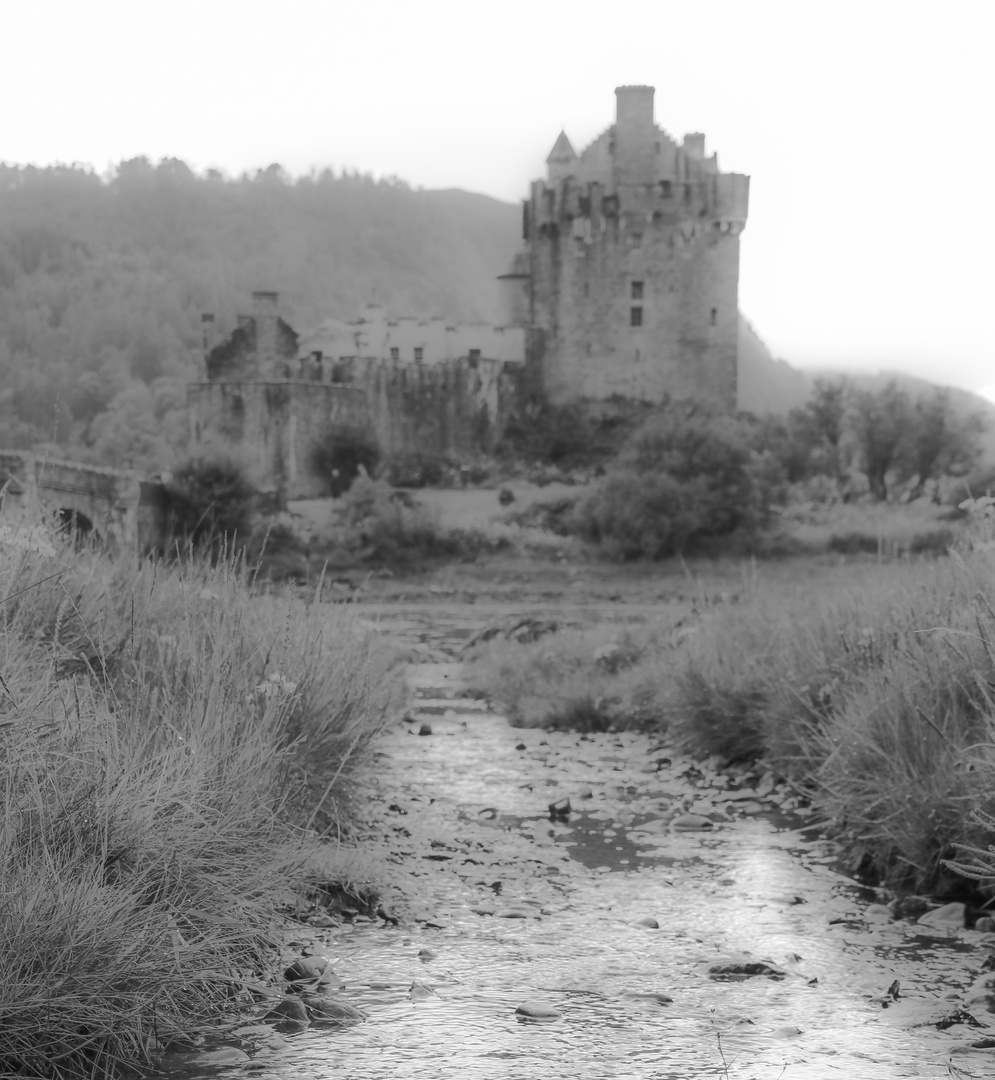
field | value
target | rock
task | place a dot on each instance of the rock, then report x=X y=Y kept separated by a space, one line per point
x=911 y=907
x=559 y=810
x=878 y=913
x=981 y=993
x=653 y=997
x=426 y=955
x=290 y=1008
x=190 y=1061
x=521 y=746
x=985 y=925
x=421 y=992
x=308 y=969
x=948 y=917
x=515 y=913
x=326 y=1008
x=537 y=1011
x=787 y=1032
x=425 y=729
x=691 y=823
x=649 y=922
x=744 y=968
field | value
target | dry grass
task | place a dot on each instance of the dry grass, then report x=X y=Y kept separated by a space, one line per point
x=166 y=738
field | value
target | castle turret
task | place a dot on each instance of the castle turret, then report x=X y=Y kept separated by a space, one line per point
x=562 y=159
x=636 y=144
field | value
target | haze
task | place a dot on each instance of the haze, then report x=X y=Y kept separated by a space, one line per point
x=866 y=128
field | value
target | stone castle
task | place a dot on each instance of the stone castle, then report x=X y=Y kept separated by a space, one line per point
x=626 y=287
x=629 y=278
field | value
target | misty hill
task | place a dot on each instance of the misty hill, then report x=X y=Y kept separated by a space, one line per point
x=103 y=282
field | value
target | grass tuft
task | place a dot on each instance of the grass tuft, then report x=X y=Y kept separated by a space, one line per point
x=167 y=736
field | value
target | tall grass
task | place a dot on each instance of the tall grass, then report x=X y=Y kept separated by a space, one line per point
x=872 y=689
x=168 y=738
x=877 y=700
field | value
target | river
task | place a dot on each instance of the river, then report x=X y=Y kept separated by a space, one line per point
x=611 y=917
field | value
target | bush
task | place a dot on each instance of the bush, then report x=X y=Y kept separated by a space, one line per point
x=341 y=456
x=685 y=474
x=378 y=524
x=209 y=504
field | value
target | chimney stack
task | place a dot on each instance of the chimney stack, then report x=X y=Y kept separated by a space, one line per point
x=265 y=313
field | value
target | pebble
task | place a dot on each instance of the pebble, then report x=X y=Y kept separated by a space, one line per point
x=985 y=925
x=691 y=823
x=425 y=729
x=326 y=1007
x=648 y=921
x=947 y=917
x=290 y=1008
x=537 y=1010
x=308 y=968
x=204 y=1059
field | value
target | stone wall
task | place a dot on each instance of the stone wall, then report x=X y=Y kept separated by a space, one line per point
x=91 y=496
x=454 y=409
x=275 y=427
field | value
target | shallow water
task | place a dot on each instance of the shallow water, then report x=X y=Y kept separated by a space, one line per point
x=512 y=907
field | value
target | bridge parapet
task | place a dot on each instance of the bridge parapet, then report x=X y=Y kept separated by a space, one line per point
x=92 y=497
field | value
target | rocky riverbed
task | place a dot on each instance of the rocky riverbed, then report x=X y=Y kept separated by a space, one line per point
x=592 y=906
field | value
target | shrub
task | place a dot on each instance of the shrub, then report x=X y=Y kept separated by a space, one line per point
x=685 y=474
x=378 y=524
x=340 y=457
x=209 y=504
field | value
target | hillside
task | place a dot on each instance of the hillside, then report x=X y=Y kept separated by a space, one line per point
x=103 y=282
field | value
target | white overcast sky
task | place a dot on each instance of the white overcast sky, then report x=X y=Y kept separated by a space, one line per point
x=867 y=126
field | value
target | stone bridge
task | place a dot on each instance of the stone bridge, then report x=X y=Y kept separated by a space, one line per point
x=91 y=498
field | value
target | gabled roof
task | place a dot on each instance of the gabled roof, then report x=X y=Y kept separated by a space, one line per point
x=562 y=150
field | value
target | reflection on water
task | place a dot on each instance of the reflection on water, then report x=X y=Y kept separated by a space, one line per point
x=750 y=886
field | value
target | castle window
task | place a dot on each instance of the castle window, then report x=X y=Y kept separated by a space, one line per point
x=474 y=354
x=419 y=353
x=637 y=290
x=636 y=316
x=636 y=239
x=714 y=317
x=395 y=353
x=665 y=189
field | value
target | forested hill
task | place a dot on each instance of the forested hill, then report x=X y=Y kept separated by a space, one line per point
x=103 y=282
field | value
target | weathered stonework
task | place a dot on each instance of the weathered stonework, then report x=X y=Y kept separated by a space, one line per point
x=451 y=408
x=91 y=497
x=629 y=280
x=276 y=427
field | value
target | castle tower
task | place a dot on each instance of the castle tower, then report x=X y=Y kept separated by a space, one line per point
x=632 y=263
x=562 y=159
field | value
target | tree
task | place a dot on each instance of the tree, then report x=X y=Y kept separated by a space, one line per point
x=939 y=442
x=880 y=422
x=826 y=413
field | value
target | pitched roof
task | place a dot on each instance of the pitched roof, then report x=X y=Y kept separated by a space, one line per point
x=562 y=150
